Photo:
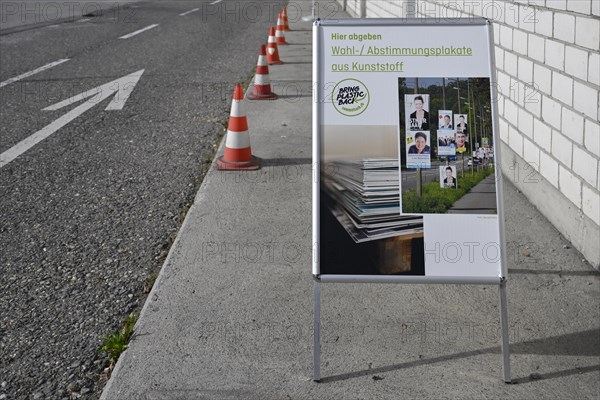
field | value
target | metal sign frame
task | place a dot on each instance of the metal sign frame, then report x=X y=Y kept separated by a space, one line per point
x=317 y=121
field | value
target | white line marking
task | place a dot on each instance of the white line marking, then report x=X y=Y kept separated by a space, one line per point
x=138 y=31
x=35 y=71
x=121 y=88
x=84 y=20
x=188 y=12
x=215 y=2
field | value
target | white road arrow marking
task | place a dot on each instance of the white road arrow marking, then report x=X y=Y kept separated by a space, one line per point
x=121 y=89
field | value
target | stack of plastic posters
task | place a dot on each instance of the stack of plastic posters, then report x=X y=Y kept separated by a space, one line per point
x=364 y=196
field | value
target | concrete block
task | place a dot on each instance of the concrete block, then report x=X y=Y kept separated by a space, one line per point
x=598 y=183
x=594 y=68
x=555 y=54
x=557 y=4
x=511 y=112
x=549 y=168
x=585 y=99
x=515 y=140
x=569 y=185
x=545 y=22
x=587 y=32
x=542 y=135
x=520 y=41
x=531 y=154
x=527 y=18
x=525 y=122
x=531 y=93
x=536 y=47
x=499 y=56
x=503 y=83
x=562 y=149
x=511 y=65
x=503 y=127
x=511 y=12
x=562 y=88
x=592 y=137
x=542 y=77
x=496 y=28
x=551 y=112
x=525 y=67
x=580 y=6
x=534 y=104
x=506 y=37
x=500 y=102
x=564 y=27
x=576 y=62
x=584 y=165
x=572 y=125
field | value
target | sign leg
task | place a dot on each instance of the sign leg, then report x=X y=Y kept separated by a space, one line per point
x=504 y=328
x=317 y=333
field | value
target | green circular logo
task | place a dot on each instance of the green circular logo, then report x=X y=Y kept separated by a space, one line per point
x=350 y=97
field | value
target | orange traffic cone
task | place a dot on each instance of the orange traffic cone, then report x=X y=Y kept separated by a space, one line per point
x=238 y=154
x=262 y=83
x=272 y=49
x=279 y=36
x=284 y=17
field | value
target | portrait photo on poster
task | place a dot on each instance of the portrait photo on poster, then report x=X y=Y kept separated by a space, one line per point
x=448 y=177
x=436 y=156
x=445 y=119
x=460 y=122
x=417 y=107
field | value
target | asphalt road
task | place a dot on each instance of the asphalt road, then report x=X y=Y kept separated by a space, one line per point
x=87 y=214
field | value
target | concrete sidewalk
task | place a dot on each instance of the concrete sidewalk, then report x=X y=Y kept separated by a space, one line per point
x=481 y=199
x=230 y=316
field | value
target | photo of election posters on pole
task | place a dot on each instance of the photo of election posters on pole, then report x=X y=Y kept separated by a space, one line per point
x=391 y=185
x=444 y=145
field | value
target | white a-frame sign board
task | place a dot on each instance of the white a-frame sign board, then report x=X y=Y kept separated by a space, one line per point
x=405 y=190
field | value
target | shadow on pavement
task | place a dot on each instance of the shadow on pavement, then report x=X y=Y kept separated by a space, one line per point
x=585 y=343
x=552 y=272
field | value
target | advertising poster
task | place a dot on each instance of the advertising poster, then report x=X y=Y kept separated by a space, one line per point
x=460 y=122
x=418 y=143
x=376 y=120
x=445 y=119
x=418 y=150
x=417 y=108
x=448 y=177
x=446 y=142
x=461 y=142
x=485 y=142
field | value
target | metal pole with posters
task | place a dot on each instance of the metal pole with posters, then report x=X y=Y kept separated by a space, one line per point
x=366 y=125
